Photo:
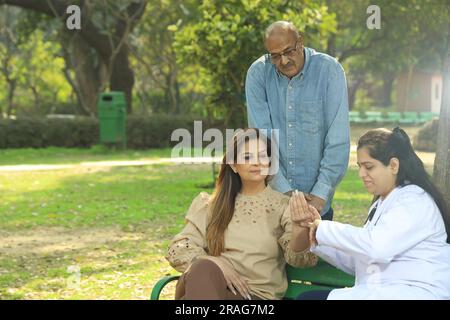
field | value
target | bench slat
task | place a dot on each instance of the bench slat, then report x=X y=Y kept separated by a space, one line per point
x=322 y=274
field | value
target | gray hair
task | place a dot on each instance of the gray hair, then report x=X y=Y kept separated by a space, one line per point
x=282 y=26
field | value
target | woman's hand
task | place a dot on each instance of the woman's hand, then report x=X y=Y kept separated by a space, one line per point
x=312 y=231
x=305 y=215
x=233 y=279
x=313 y=225
x=300 y=213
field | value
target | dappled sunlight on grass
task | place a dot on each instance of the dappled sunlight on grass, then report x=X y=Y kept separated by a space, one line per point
x=114 y=224
x=54 y=155
x=121 y=195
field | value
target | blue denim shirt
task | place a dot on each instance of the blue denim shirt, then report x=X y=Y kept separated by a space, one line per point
x=311 y=113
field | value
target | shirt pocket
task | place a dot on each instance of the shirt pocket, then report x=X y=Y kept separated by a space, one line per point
x=310 y=113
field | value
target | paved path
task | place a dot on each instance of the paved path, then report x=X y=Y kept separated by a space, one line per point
x=427 y=158
x=40 y=167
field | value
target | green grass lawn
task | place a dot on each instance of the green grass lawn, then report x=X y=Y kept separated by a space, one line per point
x=114 y=224
x=54 y=155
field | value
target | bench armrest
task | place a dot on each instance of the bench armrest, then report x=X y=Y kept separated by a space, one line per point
x=156 y=291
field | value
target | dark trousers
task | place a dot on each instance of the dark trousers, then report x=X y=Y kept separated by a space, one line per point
x=314 y=295
x=328 y=215
x=205 y=281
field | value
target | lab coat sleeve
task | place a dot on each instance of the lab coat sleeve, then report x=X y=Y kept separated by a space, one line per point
x=335 y=257
x=397 y=230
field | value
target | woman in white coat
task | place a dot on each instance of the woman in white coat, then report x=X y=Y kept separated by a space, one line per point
x=403 y=250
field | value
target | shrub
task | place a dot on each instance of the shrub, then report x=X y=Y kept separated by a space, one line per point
x=425 y=139
x=83 y=132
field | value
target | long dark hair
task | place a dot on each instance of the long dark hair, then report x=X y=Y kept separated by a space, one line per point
x=384 y=144
x=227 y=187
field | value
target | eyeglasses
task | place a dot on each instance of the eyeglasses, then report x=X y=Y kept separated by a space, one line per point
x=289 y=52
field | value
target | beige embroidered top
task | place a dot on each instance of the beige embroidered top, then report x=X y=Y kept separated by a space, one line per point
x=256 y=241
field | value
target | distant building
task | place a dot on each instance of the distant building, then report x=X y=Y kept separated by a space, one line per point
x=419 y=91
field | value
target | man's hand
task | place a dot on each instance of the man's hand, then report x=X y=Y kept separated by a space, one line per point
x=305 y=215
x=316 y=202
x=289 y=193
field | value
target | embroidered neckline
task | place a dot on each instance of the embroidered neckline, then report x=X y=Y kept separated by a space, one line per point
x=259 y=194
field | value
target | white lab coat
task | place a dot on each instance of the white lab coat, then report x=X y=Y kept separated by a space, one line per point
x=401 y=253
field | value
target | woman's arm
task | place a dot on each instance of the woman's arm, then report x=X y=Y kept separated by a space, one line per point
x=294 y=241
x=399 y=228
x=335 y=257
x=302 y=215
x=190 y=242
x=307 y=216
x=185 y=247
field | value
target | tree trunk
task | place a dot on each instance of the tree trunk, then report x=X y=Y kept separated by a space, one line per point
x=90 y=74
x=441 y=173
x=122 y=77
x=331 y=45
x=37 y=100
x=178 y=97
x=353 y=87
x=11 y=89
x=388 y=82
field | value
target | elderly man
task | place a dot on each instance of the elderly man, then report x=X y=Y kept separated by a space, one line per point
x=303 y=93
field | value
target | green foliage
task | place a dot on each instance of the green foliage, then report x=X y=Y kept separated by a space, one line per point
x=32 y=67
x=154 y=131
x=412 y=34
x=228 y=37
x=42 y=132
x=83 y=132
x=191 y=56
x=159 y=81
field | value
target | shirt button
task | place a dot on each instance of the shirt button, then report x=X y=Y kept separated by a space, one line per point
x=290 y=125
x=290 y=87
x=290 y=180
x=290 y=144
x=290 y=162
x=290 y=107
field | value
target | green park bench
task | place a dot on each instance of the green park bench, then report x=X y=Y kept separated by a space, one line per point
x=409 y=118
x=358 y=117
x=393 y=117
x=374 y=116
x=354 y=116
x=323 y=276
x=361 y=117
x=426 y=116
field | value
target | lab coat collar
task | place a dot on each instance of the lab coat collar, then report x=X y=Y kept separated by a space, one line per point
x=383 y=204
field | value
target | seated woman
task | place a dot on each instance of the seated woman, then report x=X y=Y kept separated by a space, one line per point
x=403 y=250
x=236 y=243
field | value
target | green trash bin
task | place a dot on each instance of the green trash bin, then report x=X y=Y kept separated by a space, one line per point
x=112 y=118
